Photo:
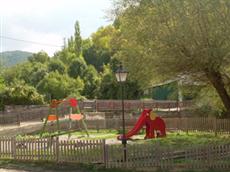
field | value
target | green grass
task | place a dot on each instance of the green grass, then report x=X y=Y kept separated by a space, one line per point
x=68 y=167
x=54 y=167
x=173 y=139
x=94 y=134
x=182 y=139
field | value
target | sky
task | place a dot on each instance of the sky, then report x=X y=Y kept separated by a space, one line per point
x=48 y=22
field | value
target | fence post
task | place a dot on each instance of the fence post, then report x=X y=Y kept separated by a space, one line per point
x=18 y=119
x=13 y=147
x=215 y=126
x=95 y=105
x=57 y=149
x=105 y=153
x=177 y=108
x=157 y=155
x=186 y=122
x=209 y=156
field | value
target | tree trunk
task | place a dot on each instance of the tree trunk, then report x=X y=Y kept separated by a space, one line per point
x=217 y=82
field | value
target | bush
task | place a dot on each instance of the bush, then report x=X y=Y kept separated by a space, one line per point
x=20 y=93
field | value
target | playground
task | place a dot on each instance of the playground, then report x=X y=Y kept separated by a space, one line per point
x=174 y=139
x=180 y=149
x=118 y=85
x=153 y=142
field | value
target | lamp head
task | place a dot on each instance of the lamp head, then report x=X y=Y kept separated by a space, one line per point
x=121 y=74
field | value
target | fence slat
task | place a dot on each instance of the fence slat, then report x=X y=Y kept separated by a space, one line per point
x=96 y=151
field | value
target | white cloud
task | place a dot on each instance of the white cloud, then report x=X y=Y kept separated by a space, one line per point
x=22 y=33
x=48 y=21
x=28 y=7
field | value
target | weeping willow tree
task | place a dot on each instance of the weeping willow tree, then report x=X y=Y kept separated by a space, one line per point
x=160 y=40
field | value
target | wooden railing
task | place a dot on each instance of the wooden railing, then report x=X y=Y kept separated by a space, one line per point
x=132 y=105
x=17 y=114
x=28 y=114
x=111 y=105
x=187 y=124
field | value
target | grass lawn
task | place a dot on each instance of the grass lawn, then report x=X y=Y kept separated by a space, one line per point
x=182 y=139
x=94 y=134
x=53 y=167
x=173 y=139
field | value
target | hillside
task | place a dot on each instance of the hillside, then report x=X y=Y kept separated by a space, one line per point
x=10 y=58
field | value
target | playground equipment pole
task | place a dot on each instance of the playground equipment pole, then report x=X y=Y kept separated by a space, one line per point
x=121 y=75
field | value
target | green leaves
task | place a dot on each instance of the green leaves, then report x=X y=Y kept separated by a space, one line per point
x=77 y=68
x=56 y=65
x=73 y=71
x=163 y=40
x=111 y=89
x=20 y=93
x=77 y=39
x=60 y=86
x=170 y=35
x=41 y=57
x=92 y=82
x=97 y=51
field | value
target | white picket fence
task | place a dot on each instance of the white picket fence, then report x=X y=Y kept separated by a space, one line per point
x=52 y=149
x=139 y=156
x=147 y=156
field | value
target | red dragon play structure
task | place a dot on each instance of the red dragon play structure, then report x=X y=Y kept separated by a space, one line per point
x=154 y=125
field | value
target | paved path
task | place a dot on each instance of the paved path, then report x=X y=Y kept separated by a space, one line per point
x=7 y=170
x=35 y=169
x=30 y=170
x=23 y=124
x=24 y=128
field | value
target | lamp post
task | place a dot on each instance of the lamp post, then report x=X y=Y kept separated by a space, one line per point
x=121 y=75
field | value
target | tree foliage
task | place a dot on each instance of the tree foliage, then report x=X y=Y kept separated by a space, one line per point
x=56 y=65
x=97 y=51
x=37 y=73
x=59 y=86
x=171 y=39
x=77 y=39
x=76 y=70
x=92 y=82
x=41 y=57
x=20 y=93
x=111 y=89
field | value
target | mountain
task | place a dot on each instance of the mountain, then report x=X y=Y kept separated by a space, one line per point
x=10 y=58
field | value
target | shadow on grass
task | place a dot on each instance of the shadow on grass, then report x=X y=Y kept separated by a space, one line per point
x=70 y=167
x=55 y=167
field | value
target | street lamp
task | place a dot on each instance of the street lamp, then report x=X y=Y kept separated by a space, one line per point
x=121 y=75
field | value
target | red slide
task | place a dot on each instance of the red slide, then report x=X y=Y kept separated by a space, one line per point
x=154 y=125
x=139 y=124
